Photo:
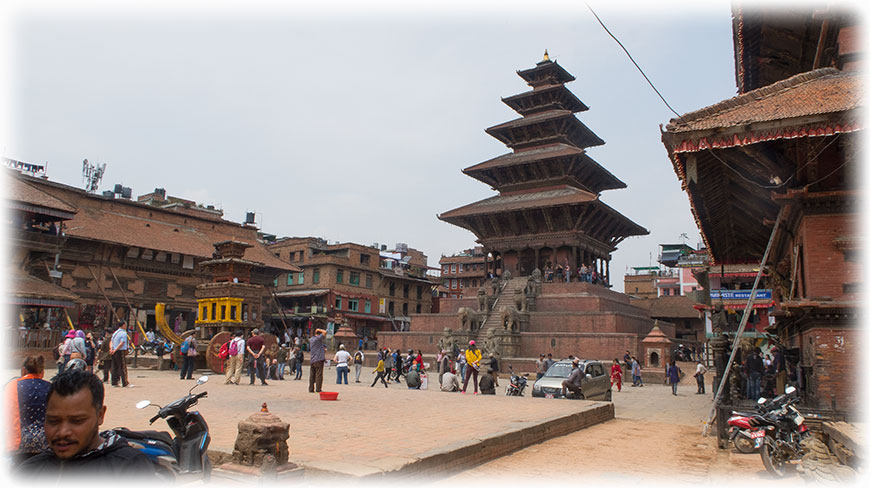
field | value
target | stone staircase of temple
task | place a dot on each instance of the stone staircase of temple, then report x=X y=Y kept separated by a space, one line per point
x=506 y=298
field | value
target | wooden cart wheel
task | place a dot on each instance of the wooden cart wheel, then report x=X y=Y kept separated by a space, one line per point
x=271 y=348
x=212 y=358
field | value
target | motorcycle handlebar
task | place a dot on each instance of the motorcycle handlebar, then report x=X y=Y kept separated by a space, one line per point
x=154 y=418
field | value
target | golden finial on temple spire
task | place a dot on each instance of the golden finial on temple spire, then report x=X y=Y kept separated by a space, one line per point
x=546 y=55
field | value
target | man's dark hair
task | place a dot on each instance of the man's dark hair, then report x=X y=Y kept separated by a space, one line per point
x=71 y=382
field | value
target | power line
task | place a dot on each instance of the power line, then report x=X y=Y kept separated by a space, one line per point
x=633 y=61
x=709 y=149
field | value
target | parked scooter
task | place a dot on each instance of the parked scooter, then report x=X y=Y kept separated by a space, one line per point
x=185 y=454
x=517 y=384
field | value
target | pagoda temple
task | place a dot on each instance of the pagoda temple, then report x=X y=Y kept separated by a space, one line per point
x=548 y=210
x=231 y=302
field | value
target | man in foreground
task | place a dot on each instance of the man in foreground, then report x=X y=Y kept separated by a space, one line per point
x=73 y=415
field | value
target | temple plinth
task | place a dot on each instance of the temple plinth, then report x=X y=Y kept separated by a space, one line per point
x=548 y=210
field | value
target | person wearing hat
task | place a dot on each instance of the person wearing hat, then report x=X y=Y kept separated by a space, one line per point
x=472 y=357
x=118 y=351
x=342 y=359
x=66 y=349
x=574 y=380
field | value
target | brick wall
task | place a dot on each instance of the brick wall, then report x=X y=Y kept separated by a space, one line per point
x=594 y=322
x=452 y=305
x=435 y=322
x=826 y=268
x=833 y=354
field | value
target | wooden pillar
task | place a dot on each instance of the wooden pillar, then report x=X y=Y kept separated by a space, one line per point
x=538 y=258
x=607 y=270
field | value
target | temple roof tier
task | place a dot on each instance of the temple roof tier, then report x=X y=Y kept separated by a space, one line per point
x=556 y=163
x=553 y=126
x=552 y=97
x=546 y=73
x=551 y=210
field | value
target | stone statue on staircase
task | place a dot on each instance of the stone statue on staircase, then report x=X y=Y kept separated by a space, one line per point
x=520 y=300
x=481 y=300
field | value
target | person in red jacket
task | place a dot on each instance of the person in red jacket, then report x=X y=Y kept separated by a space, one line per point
x=616 y=375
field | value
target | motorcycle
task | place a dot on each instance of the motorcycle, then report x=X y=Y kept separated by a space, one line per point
x=517 y=384
x=157 y=347
x=186 y=453
x=779 y=436
x=741 y=432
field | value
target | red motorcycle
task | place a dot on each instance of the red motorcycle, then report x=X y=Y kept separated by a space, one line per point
x=742 y=435
x=747 y=438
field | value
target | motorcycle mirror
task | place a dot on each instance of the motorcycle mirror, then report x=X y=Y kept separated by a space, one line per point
x=202 y=379
x=762 y=400
x=143 y=404
x=790 y=390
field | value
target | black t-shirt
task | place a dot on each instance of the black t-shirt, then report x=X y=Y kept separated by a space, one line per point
x=754 y=364
x=120 y=458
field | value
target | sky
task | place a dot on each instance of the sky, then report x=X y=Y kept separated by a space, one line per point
x=352 y=122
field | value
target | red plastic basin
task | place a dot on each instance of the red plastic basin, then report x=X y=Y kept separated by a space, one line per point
x=329 y=395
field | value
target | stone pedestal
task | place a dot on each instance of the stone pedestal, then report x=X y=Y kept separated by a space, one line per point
x=510 y=344
x=262 y=441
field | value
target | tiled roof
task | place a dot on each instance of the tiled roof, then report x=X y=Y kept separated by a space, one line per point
x=113 y=226
x=21 y=191
x=24 y=285
x=533 y=119
x=826 y=91
x=552 y=151
x=122 y=222
x=527 y=200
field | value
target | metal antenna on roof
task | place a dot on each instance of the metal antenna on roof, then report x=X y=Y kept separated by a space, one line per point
x=92 y=174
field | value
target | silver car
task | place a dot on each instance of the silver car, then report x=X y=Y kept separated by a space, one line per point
x=595 y=384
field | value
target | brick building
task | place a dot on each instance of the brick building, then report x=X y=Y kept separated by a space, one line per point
x=117 y=258
x=366 y=288
x=463 y=273
x=786 y=150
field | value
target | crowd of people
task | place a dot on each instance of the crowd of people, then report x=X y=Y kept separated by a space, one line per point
x=106 y=352
x=564 y=274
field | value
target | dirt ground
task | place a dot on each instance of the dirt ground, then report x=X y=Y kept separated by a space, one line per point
x=655 y=438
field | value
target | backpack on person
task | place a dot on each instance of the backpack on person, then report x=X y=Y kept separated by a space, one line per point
x=225 y=350
x=234 y=347
x=185 y=346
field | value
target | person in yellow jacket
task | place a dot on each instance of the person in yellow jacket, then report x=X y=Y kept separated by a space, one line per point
x=472 y=358
x=380 y=370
